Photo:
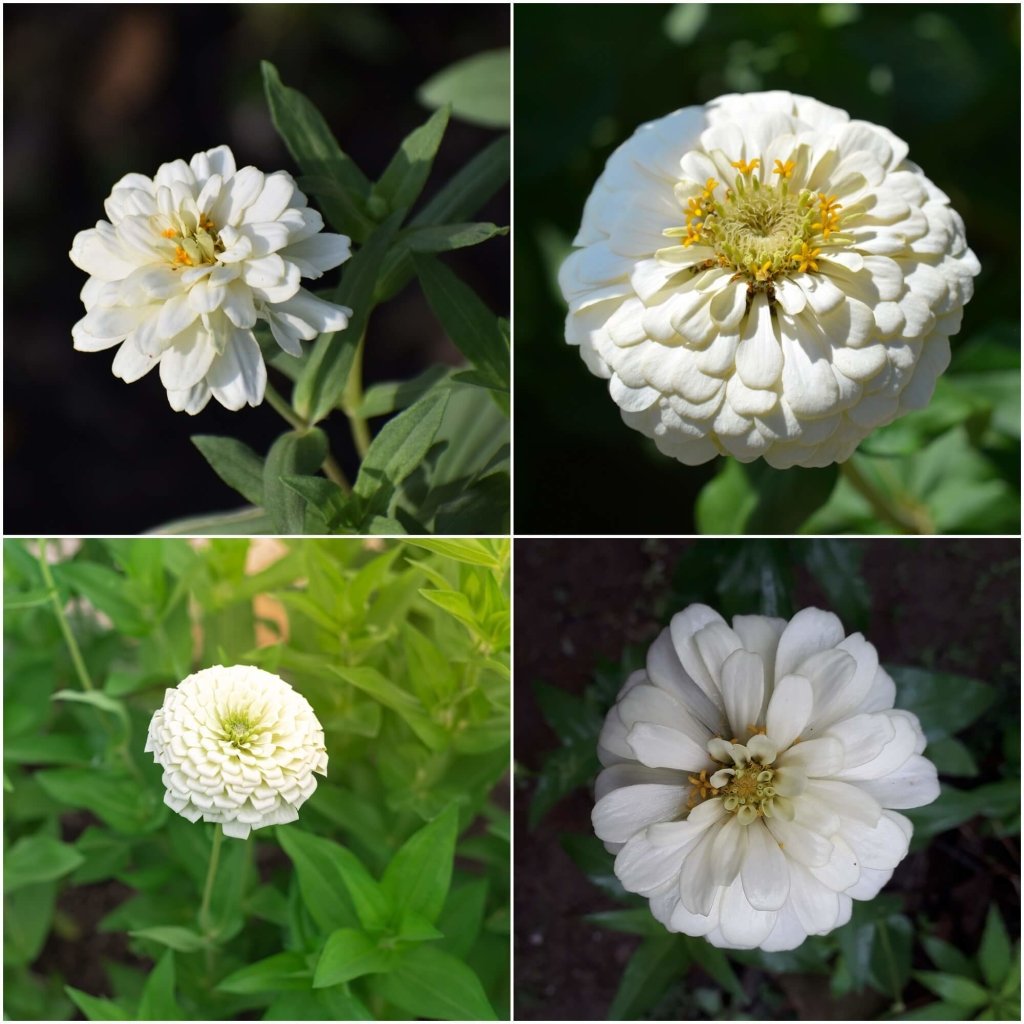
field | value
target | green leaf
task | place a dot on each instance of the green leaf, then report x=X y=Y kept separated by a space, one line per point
x=717 y=965
x=34 y=598
x=478 y=89
x=158 y=1002
x=404 y=177
x=94 y=1008
x=277 y=973
x=415 y=927
x=321 y=866
x=951 y=757
x=651 y=968
x=322 y=382
x=470 y=187
x=836 y=565
x=943 y=702
x=418 y=877
x=349 y=953
x=38 y=858
x=960 y=991
x=182 y=940
x=101 y=701
x=725 y=502
x=246 y=522
x=994 y=951
x=323 y=891
x=235 y=463
x=427 y=982
x=105 y=588
x=28 y=915
x=316 y=151
x=948 y=958
x=323 y=495
x=118 y=799
x=634 y=921
x=466 y=319
x=936 y=1011
x=463 y=916
x=386 y=398
x=292 y=454
x=370 y=681
x=434 y=238
x=955 y=806
x=397 y=450
x=468 y=550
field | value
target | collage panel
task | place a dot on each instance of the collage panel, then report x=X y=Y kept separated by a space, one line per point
x=767 y=779
x=754 y=293
x=256 y=779
x=273 y=295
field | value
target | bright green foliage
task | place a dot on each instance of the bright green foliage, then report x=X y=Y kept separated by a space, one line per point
x=441 y=464
x=389 y=896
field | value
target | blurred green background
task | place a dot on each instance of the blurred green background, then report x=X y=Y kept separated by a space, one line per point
x=95 y=91
x=943 y=77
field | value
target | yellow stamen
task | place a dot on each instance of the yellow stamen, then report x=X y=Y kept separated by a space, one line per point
x=709 y=187
x=169 y=233
x=180 y=256
x=745 y=167
x=806 y=258
x=785 y=169
x=694 y=209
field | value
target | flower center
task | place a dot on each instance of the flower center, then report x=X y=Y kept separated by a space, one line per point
x=749 y=792
x=194 y=247
x=237 y=728
x=760 y=231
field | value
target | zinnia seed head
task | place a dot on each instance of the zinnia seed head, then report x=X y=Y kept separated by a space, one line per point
x=753 y=775
x=238 y=747
x=763 y=277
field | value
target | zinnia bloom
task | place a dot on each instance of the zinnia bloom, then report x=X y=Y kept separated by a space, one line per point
x=753 y=776
x=763 y=277
x=189 y=261
x=239 y=747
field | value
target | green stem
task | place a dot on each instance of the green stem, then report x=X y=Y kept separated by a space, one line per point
x=62 y=619
x=881 y=506
x=353 y=399
x=284 y=410
x=330 y=466
x=211 y=874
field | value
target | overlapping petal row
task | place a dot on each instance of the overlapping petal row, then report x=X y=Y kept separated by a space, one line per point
x=238 y=747
x=188 y=263
x=753 y=777
x=787 y=328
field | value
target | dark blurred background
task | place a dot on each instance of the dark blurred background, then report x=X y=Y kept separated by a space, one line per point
x=942 y=605
x=943 y=77
x=95 y=91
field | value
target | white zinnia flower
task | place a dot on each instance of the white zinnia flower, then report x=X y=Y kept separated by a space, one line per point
x=187 y=264
x=238 y=746
x=765 y=277
x=751 y=777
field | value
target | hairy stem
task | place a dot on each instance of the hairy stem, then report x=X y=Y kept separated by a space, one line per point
x=880 y=505
x=353 y=399
x=65 y=627
x=211 y=874
x=330 y=465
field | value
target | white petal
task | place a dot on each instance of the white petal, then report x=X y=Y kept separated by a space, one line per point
x=799 y=843
x=238 y=375
x=658 y=746
x=742 y=925
x=816 y=758
x=759 y=356
x=808 y=632
x=914 y=784
x=743 y=690
x=618 y=816
x=764 y=872
x=816 y=906
x=273 y=200
x=320 y=253
x=728 y=850
x=184 y=363
x=789 y=710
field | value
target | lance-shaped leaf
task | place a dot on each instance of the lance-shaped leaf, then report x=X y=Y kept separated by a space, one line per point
x=317 y=152
x=296 y=453
x=404 y=177
x=235 y=463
